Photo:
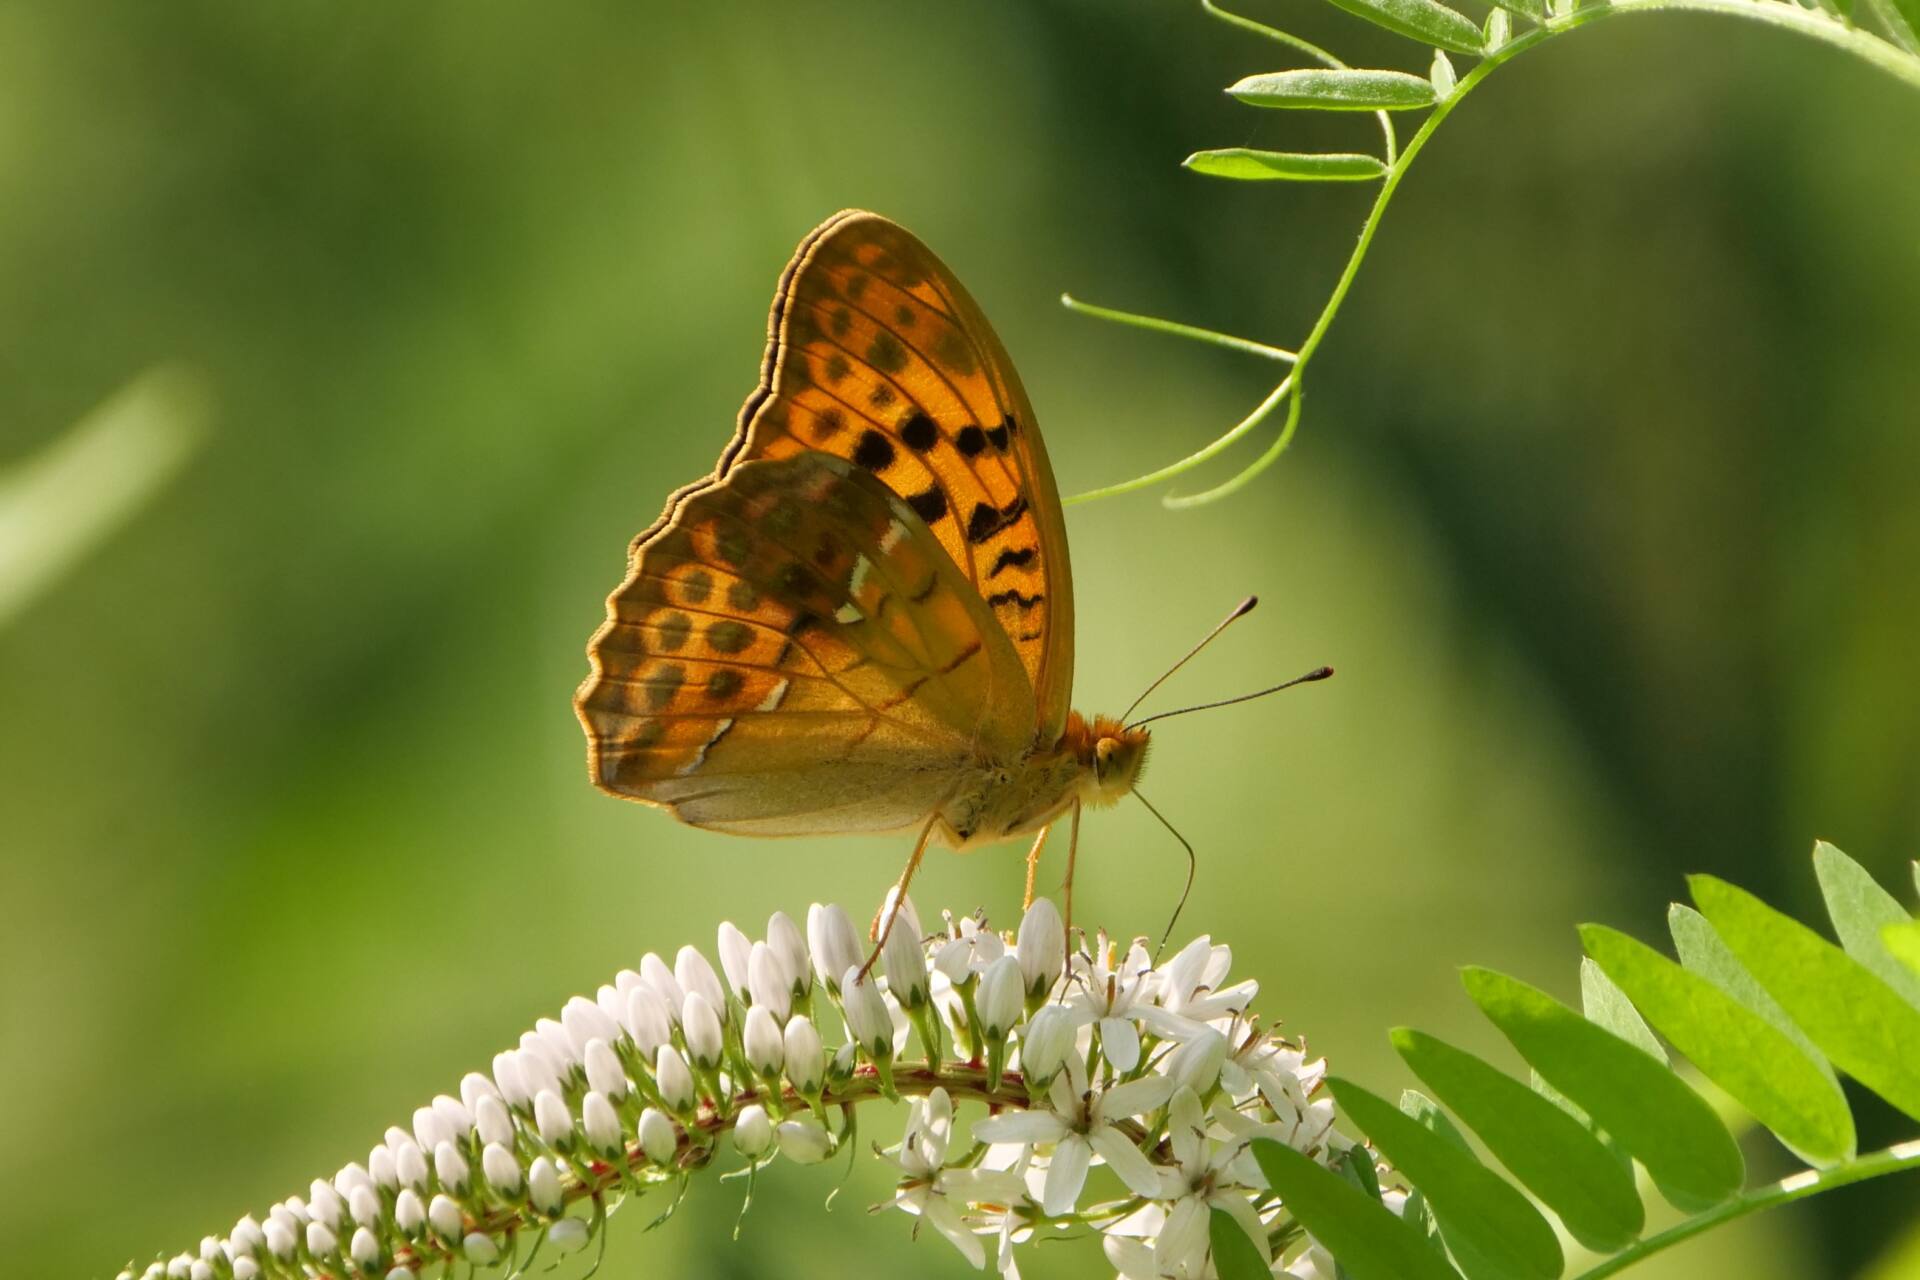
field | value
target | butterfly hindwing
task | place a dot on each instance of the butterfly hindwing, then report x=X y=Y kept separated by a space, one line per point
x=793 y=650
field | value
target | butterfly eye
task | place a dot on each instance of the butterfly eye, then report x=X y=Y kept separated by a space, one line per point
x=1102 y=756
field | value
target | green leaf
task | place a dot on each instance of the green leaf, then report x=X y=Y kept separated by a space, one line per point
x=1234 y=1256
x=1336 y=90
x=1535 y=9
x=1366 y=1236
x=1732 y=1046
x=1860 y=909
x=1256 y=166
x=1648 y=1109
x=1701 y=950
x=1860 y=1022
x=1606 y=1005
x=1903 y=940
x=1427 y=21
x=1493 y=1230
x=1552 y=1154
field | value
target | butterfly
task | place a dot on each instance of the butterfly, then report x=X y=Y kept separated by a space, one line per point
x=862 y=621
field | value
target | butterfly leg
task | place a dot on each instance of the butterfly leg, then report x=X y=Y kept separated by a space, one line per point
x=883 y=920
x=1073 y=849
x=1033 y=864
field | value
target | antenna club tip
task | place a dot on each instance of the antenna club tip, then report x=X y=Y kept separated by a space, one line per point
x=1246 y=606
x=1321 y=674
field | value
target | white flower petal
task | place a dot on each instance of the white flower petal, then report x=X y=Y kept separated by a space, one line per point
x=1137 y=1097
x=1066 y=1175
x=1120 y=1043
x=1020 y=1126
x=1125 y=1160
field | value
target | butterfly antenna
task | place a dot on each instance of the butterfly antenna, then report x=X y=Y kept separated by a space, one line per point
x=1186 y=889
x=1240 y=610
x=1320 y=673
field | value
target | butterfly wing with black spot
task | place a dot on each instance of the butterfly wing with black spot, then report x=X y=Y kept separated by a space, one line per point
x=877 y=354
x=794 y=652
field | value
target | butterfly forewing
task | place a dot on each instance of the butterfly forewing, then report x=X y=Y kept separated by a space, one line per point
x=880 y=356
x=794 y=651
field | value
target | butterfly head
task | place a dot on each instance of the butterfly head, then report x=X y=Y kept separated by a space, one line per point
x=1111 y=754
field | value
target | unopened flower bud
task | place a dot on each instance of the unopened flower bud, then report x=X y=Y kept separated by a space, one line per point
x=321 y=1242
x=768 y=979
x=543 y=1184
x=1042 y=948
x=443 y=1215
x=1044 y=1044
x=502 y=1170
x=695 y=975
x=752 y=1131
x=804 y=1141
x=481 y=1249
x=450 y=1167
x=762 y=1041
x=365 y=1249
x=604 y=1072
x=806 y=1057
x=568 y=1234
x=601 y=1124
x=409 y=1213
x=551 y=1118
x=701 y=1025
x=734 y=947
x=492 y=1123
x=659 y=1140
x=867 y=1017
x=784 y=936
x=1001 y=998
x=674 y=1080
x=834 y=945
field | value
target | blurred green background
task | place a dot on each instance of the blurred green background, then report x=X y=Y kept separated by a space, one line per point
x=1604 y=508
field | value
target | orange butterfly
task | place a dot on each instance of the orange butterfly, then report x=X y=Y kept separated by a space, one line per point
x=863 y=620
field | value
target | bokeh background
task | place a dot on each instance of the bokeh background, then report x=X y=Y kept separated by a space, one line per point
x=1604 y=508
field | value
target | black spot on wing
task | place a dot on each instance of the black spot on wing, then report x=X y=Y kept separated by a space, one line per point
x=971 y=441
x=663 y=684
x=1025 y=602
x=723 y=684
x=828 y=423
x=999 y=435
x=874 y=452
x=930 y=505
x=919 y=431
x=886 y=353
x=1010 y=558
x=988 y=519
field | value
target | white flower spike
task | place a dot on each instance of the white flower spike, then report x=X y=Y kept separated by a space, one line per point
x=1063 y=1064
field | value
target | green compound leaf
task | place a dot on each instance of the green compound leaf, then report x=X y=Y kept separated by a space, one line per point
x=1336 y=90
x=1424 y=20
x=1266 y=166
x=1234 y=1256
x=1552 y=1154
x=1732 y=1046
x=1701 y=950
x=1860 y=909
x=1642 y=1104
x=1903 y=940
x=1494 y=1232
x=1862 y=1024
x=1370 y=1241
